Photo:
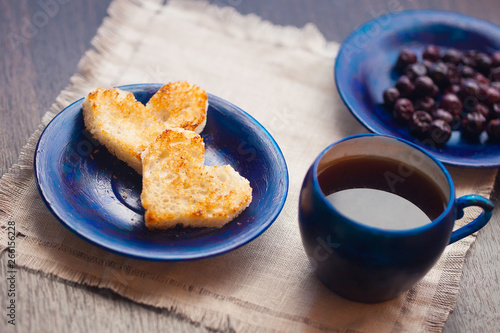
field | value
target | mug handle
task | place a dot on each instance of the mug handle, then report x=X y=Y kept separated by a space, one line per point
x=478 y=222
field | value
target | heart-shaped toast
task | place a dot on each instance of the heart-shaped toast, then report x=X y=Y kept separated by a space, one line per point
x=178 y=189
x=126 y=126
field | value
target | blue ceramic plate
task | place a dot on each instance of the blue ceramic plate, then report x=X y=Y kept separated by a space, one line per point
x=364 y=69
x=96 y=196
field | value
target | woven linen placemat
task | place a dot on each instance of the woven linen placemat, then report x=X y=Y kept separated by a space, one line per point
x=282 y=76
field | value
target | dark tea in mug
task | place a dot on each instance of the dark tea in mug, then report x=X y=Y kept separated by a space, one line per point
x=382 y=193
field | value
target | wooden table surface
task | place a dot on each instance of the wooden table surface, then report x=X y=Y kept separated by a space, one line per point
x=52 y=37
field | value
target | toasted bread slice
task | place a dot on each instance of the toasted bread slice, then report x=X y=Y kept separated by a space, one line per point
x=181 y=104
x=126 y=127
x=178 y=189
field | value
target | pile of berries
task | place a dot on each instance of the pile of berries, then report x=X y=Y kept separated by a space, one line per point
x=448 y=90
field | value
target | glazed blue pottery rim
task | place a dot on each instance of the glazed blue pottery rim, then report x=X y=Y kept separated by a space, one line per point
x=364 y=69
x=97 y=197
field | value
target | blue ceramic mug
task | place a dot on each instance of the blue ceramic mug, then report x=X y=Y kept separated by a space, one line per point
x=368 y=263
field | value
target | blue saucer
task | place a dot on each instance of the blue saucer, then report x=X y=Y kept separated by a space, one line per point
x=97 y=197
x=364 y=69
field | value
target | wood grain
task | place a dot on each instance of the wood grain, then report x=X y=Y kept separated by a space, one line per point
x=38 y=64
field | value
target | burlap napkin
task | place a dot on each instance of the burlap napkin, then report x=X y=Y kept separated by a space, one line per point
x=283 y=77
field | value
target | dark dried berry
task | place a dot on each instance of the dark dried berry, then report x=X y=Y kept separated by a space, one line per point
x=483 y=93
x=405 y=86
x=488 y=95
x=496 y=85
x=453 y=74
x=454 y=89
x=426 y=104
x=473 y=125
x=451 y=103
x=442 y=114
x=467 y=71
x=403 y=109
x=481 y=79
x=469 y=58
x=453 y=56
x=492 y=95
x=431 y=53
x=493 y=130
x=495 y=74
x=482 y=109
x=495 y=59
x=428 y=64
x=424 y=86
x=495 y=111
x=391 y=95
x=439 y=74
x=469 y=87
x=469 y=103
x=405 y=58
x=420 y=122
x=415 y=70
x=440 y=131
x=483 y=63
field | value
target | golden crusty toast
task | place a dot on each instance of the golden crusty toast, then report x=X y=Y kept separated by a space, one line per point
x=178 y=189
x=181 y=105
x=126 y=127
